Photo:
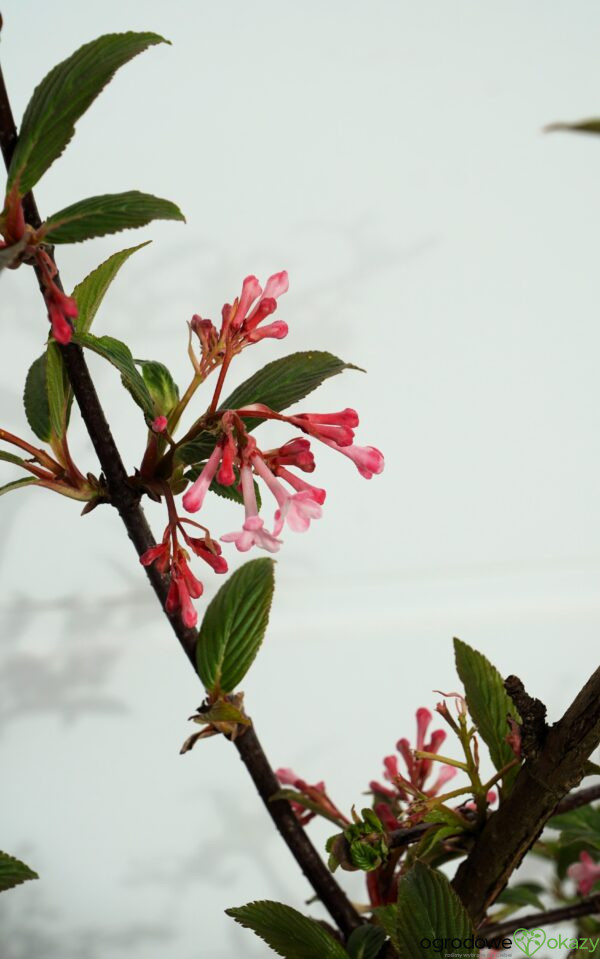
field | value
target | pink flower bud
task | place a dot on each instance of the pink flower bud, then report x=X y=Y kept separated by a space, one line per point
x=159 y=424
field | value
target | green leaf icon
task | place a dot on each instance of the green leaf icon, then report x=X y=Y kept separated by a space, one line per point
x=529 y=941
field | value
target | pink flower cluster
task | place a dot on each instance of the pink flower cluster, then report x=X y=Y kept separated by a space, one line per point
x=586 y=873
x=169 y=557
x=418 y=772
x=315 y=793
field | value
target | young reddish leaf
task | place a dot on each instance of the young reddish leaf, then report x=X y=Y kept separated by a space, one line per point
x=234 y=625
x=287 y=931
x=109 y=213
x=62 y=98
x=428 y=908
x=13 y=872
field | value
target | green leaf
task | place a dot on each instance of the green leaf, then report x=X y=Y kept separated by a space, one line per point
x=58 y=389
x=581 y=126
x=109 y=213
x=234 y=625
x=579 y=825
x=62 y=98
x=278 y=385
x=287 y=931
x=90 y=292
x=17 y=484
x=387 y=918
x=428 y=908
x=119 y=354
x=365 y=942
x=221 y=712
x=13 y=872
x=35 y=399
x=11 y=458
x=162 y=387
x=522 y=894
x=489 y=704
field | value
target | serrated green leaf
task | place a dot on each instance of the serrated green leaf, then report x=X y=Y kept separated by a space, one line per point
x=578 y=825
x=13 y=872
x=35 y=399
x=17 y=484
x=364 y=856
x=57 y=387
x=432 y=839
x=109 y=213
x=162 y=387
x=119 y=354
x=278 y=385
x=234 y=625
x=428 y=908
x=287 y=931
x=522 y=894
x=489 y=704
x=387 y=918
x=91 y=291
x=62 y=98
x=365 y=942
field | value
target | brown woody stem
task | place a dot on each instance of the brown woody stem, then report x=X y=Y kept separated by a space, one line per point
x=127 y=501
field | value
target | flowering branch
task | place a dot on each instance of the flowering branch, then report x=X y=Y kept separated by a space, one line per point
x=541 y=784
x=126 y=499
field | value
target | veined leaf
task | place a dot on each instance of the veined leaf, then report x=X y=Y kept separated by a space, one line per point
x=428 y=908
x=119 y=354
x=62 y=98
x=234 y=625
x=57 y=387
x=387 y=918
x=287 y=931
x=278 y=385
x=109 y=213
x=522 y=894
x=13 y=872
x=365 y=942
x=162 y=387
x=91 y=291
x=489 y=704
x=578 y=825
x=35 y=399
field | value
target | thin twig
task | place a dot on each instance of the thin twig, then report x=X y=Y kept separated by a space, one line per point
x=126 y=500
x=585 y=907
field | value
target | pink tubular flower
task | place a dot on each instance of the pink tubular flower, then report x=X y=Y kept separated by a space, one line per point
x=252 y=532
x=301 y=486
x=585 y=873
x=418 y=769
x=367 y=459
x=338 y=427
x=61 y=309
x=194 y=497
x=316 y=793
x=295 y=452
x=244 y=317
x=297 y=508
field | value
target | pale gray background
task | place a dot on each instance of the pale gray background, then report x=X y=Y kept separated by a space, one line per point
x=390 y=156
